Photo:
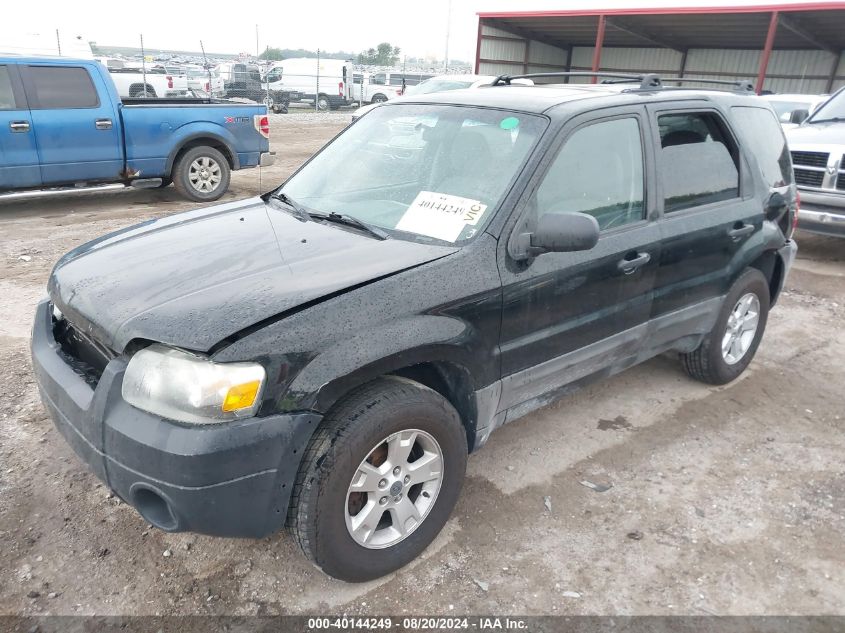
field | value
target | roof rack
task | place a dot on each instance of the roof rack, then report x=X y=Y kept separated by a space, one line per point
x=648 y=81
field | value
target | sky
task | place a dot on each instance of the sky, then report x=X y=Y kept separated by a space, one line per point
x=418 y=28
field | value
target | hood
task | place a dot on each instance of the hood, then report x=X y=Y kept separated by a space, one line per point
x=832 y=133
x=193 y=279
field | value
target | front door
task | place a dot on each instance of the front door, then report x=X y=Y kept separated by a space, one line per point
x=78 y=133
x=18 y=151
x=567 y=316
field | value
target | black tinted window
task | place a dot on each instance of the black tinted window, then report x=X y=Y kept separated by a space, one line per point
x=598 y=171
x=63 y=87
x=767 y=143
x=7 y=96
x=698 y=161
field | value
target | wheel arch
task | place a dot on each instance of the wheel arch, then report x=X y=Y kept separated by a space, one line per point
x=200 y=140
x=771 y=265
x=437 y=370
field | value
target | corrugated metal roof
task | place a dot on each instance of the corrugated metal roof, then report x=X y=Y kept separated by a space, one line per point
x=680 y=28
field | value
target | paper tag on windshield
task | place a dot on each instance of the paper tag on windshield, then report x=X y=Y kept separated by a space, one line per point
x=441 y=215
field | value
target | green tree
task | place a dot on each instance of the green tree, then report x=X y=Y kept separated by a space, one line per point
x=385 y=54
x=272 y=54
x=94 y=48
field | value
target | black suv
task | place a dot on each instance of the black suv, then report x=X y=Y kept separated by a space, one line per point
x=327 y=355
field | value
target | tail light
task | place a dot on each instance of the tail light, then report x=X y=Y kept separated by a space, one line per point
x=795 y=212
x=262 y=125
x=169 y=81
x=340 y=88
x=207 y=87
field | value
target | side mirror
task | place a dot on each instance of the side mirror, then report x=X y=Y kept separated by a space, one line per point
x=776 y=206
x=560 y=233
x=799 y=116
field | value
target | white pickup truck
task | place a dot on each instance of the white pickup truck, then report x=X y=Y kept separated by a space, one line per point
x=155 y=82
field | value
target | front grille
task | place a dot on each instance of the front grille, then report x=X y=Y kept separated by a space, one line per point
x=810 y=159
x=840 y=179
x=86 y=357
x=808 y=177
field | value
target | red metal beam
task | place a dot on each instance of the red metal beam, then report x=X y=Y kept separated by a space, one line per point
x=760 y=8
x=767 y=51
x=598 y=45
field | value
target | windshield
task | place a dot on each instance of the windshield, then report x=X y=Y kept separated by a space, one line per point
x=833 y=108
x=420 y=171
x=437 y=85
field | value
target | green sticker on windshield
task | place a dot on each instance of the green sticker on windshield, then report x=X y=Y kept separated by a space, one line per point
x=510 y=123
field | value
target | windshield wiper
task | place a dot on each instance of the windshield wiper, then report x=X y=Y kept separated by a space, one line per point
x=299 y=211
x=833 y=119
x=349 y=220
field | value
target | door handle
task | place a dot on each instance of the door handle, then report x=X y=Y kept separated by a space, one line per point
x=630 y=266
x=19 y=126
x=103 y=124
x=740 y=230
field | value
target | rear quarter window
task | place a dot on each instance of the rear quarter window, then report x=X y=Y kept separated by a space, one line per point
x=63 y=87
x=767 y=143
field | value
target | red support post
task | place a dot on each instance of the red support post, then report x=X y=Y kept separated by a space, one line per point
x=767 y=51
x=597 y=49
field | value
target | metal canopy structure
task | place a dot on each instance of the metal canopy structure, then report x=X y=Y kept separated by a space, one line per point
x=807 y=39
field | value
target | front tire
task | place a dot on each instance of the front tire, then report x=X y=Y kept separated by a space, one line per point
x=379 y=479
x=730 y=346
x=201 y=174
x=323 y=103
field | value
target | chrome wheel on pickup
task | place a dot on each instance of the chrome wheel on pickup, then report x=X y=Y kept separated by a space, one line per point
x=379 y=479
x=201 y=174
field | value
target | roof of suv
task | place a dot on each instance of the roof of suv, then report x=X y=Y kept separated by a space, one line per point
x=540 y=98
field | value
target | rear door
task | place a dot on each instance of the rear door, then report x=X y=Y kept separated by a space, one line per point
x=18 y=151
x=77 y=132
x=710 y=216
x=567 y=316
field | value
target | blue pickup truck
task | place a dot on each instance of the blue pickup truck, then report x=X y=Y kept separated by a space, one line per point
x=63 y=128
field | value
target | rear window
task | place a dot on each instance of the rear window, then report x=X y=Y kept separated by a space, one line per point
x=699 y=160
x=7 y=96
x=768 y=144
x=63 y=87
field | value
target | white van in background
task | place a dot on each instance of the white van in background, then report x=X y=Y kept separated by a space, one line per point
x=388 y=85
x=329 y=84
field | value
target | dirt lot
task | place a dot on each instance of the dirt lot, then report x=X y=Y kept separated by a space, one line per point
x=723 y=501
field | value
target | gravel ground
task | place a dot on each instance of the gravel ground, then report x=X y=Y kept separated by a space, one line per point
x=725 y=500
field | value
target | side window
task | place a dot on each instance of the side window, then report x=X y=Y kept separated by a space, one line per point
x=768 y=143
x=377 y=79
x=7 y=96
x=699 y=160
x=598 y=171
x=63 y=87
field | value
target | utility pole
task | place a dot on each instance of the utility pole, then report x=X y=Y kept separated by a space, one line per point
x=257 y=52
x=59 y=42
x=448 y=29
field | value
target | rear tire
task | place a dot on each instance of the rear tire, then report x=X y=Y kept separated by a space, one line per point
x=379 y=98
x=363 y=425
x=323 y=103
x=730 y=346
x=201 y=174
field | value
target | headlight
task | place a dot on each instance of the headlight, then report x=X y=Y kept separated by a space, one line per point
x=189 y=388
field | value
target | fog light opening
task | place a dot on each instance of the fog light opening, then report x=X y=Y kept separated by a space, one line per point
x=154 y=508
